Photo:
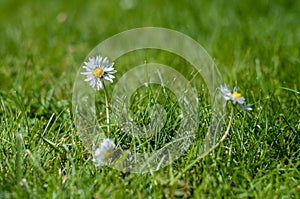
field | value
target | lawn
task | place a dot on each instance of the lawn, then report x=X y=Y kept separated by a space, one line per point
x=255 y=45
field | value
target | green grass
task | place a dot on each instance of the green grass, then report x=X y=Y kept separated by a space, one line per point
x=255 y=45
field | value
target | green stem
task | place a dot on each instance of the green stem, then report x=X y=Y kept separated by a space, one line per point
x=210 y=150
x=107 y=108
x=19 y=159
x=226 y=132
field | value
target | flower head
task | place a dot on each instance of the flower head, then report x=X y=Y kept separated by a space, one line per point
x=234 y=97
x=104 y=152
x=98 y=69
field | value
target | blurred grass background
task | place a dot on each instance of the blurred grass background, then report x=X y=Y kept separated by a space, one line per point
x=42 y=44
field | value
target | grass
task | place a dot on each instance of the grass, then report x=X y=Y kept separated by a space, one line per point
x=255 y=45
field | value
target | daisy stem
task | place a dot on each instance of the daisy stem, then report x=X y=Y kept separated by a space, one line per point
x=211 y=149
x=227 y=129
x=107 y=108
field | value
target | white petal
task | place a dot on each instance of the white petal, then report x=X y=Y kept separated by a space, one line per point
x=108 y=65
x=241 y=100
x=110 y=76
x=108 y=79
x=86 y=73
x=247 y=107
x=110 y=70
x=98 y=60
x=105 y=61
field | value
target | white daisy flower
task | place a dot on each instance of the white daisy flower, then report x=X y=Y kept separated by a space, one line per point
x=98 y=69
x=234 y=97
x=104 y=152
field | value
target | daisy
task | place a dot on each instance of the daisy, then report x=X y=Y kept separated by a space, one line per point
x=104 y=152
x=98 y=69
x=235 y=97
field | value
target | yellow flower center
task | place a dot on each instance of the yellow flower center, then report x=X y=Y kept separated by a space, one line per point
x=98 y=72
x=236 y=95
